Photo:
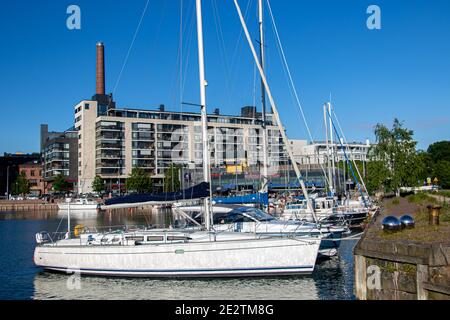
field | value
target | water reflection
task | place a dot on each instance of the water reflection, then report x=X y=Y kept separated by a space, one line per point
x=54 y=286
x=27 y=215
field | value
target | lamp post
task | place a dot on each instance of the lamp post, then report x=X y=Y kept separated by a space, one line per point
x=7 y=182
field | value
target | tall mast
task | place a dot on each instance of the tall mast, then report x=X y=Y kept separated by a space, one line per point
x=330 y=178
x=263 y=99
x=204 y=117
x=333 y=172
x=275 y=112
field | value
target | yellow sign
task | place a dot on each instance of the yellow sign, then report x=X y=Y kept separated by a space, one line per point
x=234 y=169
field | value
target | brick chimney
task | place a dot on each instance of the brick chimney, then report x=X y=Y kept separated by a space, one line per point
x=100 y=75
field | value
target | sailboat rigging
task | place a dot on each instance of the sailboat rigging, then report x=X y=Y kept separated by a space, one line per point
x=179 y=253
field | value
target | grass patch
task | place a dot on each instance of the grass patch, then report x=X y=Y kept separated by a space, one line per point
x=409 y=268
x=424 y=233
x=445 y=193
x=445 y=213
x=389 y=267
x=420 y=198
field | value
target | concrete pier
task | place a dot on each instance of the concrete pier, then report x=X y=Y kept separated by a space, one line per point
x=412 y=264
x=27 y=205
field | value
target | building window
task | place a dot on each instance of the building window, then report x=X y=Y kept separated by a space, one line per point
x=86 y=106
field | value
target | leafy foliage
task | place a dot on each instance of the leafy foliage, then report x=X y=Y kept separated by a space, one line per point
x=441 y=170
x=98 y=185
x=439 y=151
x=396 y=163
x=376 y=176
x=396 y=149
x=139 y=181
x=20 y=185
x=60 y=183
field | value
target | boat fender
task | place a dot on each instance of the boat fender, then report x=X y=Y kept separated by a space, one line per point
x=78 y=230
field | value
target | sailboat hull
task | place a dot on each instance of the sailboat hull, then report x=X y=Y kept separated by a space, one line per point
x=259 y=257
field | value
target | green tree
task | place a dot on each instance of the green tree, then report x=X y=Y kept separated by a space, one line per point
x=172 y=181
x=98 y=185
x=396 y=150
x=424 y=165
x=439 y=151
x=376 y=176
x=60 y=183
x=139 y=181
x=20 y=185
x=439 y=162
x=441 y=170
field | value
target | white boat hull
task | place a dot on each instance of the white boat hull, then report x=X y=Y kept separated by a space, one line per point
x=229 y=258
x=85 y=207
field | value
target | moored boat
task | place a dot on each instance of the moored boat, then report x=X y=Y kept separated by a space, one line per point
x=79 y=204
x=165 y=253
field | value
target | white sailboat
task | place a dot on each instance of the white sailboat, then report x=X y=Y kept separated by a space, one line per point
x=183 y=253
x=79 y=204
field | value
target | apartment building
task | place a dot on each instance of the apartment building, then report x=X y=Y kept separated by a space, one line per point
x=112 y=141
x=311 y=154
x=59 y=152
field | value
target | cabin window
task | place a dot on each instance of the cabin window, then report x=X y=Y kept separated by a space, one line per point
x=137 y=238
x=241 y=218
x=155 y=238
x=177 y=238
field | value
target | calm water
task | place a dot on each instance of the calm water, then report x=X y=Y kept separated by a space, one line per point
x=21 y=279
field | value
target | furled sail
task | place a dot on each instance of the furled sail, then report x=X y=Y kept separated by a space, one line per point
x=261 y=198
x=134 y=200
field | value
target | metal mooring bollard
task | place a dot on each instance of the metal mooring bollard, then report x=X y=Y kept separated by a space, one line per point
x=433 y=215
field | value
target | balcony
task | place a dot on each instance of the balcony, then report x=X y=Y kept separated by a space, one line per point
x=143 y=145
x=104 y=163
x=144 y=163
x=109 y=145
x=109 y=171
x=109 y=135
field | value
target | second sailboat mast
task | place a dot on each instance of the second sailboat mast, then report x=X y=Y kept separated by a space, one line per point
x=263 y=99
x=204 y=116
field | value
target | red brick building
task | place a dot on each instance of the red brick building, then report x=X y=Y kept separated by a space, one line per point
x=33 y=173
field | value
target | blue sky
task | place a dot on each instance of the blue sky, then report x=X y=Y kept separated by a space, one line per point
x=402 y=70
